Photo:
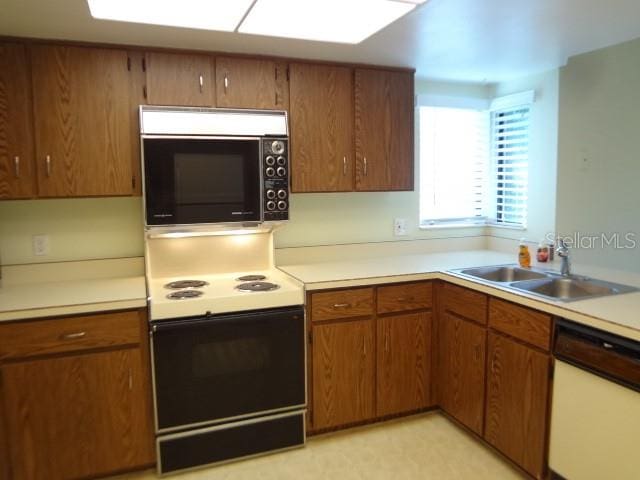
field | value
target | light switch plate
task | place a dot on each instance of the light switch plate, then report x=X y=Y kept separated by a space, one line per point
x=400 y=227
x=41 y=245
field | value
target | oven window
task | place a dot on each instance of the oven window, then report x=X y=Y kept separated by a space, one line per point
x=201 y=180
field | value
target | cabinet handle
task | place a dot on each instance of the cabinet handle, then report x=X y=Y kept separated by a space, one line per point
x=344 y=165
x=73 y=336
x=364 y=345
x=477 y=353
x=201 y=82
x=130 y=379
x=365 y=166
x=406 y=299
x=47 y=162
x=341 y=305
x=16 y=166
x=226 y=83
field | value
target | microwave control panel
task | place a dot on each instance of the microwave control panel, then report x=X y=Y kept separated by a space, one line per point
x=275 y=172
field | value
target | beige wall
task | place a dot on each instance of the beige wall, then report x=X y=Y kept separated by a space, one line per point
x=78 y=229
x=543 y=146
x=599 y=152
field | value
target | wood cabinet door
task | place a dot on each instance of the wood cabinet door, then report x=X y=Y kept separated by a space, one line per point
x=250 y=83
x=78 y=416
x=404 y=363
x=343 y=373
x=461 y=370
x=321 y=123
x=384 y=130
x=179 y=79
x=517 y=398
x=17 y=172
x=82 y=122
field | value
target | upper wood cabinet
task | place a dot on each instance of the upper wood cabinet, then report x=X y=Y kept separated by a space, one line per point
x=82 y=126
x=343 y=373
x=517 y=399
x=321 y=123
x=179 y=79
x=461 y=369
x=404 y=363
x=251 y=83
x=17 y=172
x=384 y=130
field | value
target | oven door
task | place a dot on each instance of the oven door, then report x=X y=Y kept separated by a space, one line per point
x=213 y=369
x=195 y=180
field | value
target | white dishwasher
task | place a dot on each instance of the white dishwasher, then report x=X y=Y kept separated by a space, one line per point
x=595 y=416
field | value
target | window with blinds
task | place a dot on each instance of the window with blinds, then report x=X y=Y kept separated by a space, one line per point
x=510 y=162
x=474 y=161
x=454 y=149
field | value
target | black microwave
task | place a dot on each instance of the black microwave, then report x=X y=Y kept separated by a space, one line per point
x=214 y=166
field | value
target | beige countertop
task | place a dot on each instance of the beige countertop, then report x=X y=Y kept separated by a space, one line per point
x=67 y=288
x=618 y=314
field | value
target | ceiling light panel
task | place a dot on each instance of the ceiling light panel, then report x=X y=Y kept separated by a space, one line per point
x=221 y=15
x=341 y=21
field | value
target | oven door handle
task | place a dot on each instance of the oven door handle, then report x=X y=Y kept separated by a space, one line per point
x=295 y=313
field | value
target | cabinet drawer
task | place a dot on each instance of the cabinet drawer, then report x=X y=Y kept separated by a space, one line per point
x=341 y=304
x=464 y=302
x=57 y=335
x=523 y=323
x=408 y=296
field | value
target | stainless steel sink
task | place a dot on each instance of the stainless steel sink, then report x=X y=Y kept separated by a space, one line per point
x=548 y=285
x=561 y=288
x=503 y=274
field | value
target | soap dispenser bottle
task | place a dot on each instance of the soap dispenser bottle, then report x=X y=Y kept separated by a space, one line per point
x=524 y=257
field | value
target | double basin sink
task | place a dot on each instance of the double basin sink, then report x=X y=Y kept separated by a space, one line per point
x=545 y=284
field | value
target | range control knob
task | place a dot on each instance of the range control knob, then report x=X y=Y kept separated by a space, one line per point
x=282 y=194
x=277 y=147
x=282 y=171
x=271 y=194
x=271 y=171
x=271 y=205
x=270 y=160
x=282 y=205
x=282 y=161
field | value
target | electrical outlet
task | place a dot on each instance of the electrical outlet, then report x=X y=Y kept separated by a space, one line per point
x=400 y=227
x=41 y=245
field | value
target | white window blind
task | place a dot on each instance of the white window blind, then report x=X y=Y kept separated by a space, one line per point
x=510 y=164
x=454 y=151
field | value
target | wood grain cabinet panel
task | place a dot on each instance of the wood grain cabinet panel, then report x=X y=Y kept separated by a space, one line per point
x=461 y=369
x=343 y=373
x=321 y=122
x=68 y=334
x=517 y=396
x=467 y=303
x=179 y=79
x=384 y=130
x=336 y=304
x=523 y=323
x=17 y=172
x=83 y=130
x=250 y=83
x=404 y=297
x=77 y=416
x=404 y=363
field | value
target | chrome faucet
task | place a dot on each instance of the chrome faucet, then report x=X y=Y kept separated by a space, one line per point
x=563 y=253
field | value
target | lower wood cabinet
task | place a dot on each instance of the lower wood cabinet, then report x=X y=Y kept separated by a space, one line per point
x=403 y=363
x=517 y=399
x=76 y=413
x=343 y=373
x=461 y=375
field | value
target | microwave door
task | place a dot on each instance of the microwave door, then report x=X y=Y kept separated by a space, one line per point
x=194 y=181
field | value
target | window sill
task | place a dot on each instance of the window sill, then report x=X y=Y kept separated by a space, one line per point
x=454 y=226
x=506 y=227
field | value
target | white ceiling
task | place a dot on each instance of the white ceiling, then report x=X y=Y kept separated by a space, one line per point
x=458 y=40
